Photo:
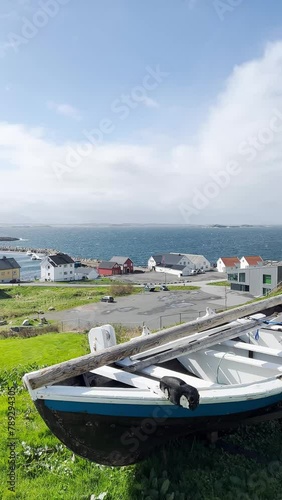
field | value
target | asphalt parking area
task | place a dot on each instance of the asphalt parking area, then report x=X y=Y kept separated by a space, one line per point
x=155 y=309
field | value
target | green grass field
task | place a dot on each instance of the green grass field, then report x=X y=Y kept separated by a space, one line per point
x=183 y=470
x=19 y=302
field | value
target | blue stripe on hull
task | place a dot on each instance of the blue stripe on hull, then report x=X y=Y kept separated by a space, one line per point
x=161 y=411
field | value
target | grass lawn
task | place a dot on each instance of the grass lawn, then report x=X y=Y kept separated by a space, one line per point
x=54 y=348
x=19 y=302
x=187 y=469
x=219 y=283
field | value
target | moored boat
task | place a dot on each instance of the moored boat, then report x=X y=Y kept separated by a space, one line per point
x=35 y=256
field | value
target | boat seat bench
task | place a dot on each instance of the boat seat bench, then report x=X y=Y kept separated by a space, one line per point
x=223 y=367
x=159 y=372
x=253 y=347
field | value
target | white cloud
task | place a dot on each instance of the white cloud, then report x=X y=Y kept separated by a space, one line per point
x=150 y=103
x=65 y=110
x=128 y=182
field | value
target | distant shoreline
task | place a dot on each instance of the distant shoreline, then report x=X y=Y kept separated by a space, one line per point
x=27 y=249
x=134 y=225
x=47 y=251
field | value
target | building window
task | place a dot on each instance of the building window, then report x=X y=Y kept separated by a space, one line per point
x=65 y=272
x=266 y=291
x=70 y=272
x=240 y=288
x=232 y=277
x=242 y=277
x=267 y=279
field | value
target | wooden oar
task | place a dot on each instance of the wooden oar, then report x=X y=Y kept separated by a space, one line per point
x=83 y=364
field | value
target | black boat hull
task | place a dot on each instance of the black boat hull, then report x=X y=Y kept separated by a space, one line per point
x=119 y=441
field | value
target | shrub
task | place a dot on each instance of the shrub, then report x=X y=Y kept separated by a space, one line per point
x=119 y=290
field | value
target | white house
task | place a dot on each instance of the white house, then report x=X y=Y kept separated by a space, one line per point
x=251 y=260
x=198 y=261
x=153 y=261
x=57 y=267
x=167 y=260
x=86 y=273
x=224 y=263
x=175 y=269
x=171 y=263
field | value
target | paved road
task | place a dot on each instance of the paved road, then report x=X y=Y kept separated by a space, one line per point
x=156 y=309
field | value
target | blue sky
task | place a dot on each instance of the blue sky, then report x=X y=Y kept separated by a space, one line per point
x=65 y=78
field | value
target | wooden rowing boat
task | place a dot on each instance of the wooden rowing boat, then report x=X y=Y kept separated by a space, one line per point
x=115 y=405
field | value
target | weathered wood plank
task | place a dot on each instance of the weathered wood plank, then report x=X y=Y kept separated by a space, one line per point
x=183 y=341
x=192 y=345
x=82 y=364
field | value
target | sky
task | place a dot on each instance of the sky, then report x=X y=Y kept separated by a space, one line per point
x=119 y=111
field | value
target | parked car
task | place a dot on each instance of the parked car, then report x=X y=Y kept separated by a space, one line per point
x=164 y=288
x=149 y=288
x=107 y=298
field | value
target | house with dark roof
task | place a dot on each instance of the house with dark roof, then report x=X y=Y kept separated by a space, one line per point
x=200 y=262
x=165 y=260
x=171 y=263
x=109 y=268
x=9 y=270
x=57 y=267
x=125 y=263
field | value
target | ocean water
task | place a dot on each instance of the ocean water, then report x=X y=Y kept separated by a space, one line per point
x=139 y=243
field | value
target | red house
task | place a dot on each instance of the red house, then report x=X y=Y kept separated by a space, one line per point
x=108 y=268
x=125 y=263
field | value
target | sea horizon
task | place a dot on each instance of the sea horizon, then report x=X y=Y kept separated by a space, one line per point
x=141 y=242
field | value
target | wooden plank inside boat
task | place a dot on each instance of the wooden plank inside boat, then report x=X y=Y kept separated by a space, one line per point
x=194 y=345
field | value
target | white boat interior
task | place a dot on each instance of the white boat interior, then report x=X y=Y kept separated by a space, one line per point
x=269 y=334
x=230 y=369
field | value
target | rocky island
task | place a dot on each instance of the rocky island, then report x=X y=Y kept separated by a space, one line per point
x=8 y=238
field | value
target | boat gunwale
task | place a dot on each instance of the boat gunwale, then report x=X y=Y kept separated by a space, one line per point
x=98 y=395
